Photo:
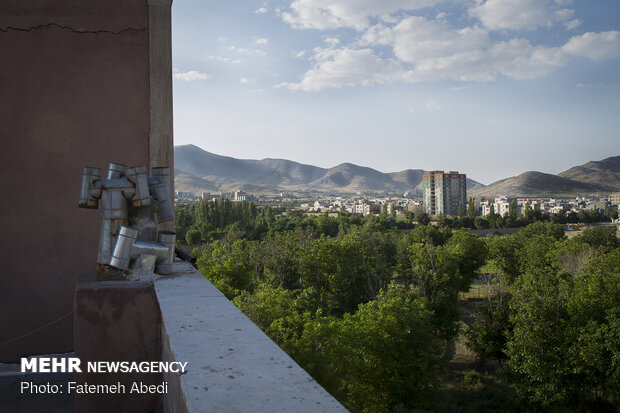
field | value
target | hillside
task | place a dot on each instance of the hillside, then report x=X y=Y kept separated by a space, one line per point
x=533 y=183
x=605 y=173
x=199 y=170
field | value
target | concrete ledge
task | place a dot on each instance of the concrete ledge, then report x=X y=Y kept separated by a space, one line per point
x=232 y=365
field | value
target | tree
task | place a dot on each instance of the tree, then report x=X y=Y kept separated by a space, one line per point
x=193 y=236
x=481 y=223
x=512 y=210
x=385 y=354
x=423 y=218
x=487 y=336
x=472 y=211
x=228 y=266
x=541 y=338
x=502 y=253
x=384 y=212
x=612 y=212
x=601 y=237
x=409 y=216
x=564 y=348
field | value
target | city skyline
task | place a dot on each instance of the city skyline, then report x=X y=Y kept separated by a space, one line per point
x=511 y=86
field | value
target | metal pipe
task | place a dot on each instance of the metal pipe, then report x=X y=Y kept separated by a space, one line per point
x=141 y=196
x=167 y=238
x=88 y=198
x=122 y=249
x=165 y=212
x=116 y=170
x=185 y=256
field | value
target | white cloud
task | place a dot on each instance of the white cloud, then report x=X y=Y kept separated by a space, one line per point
x=572 y=24
x=416 y=39
x=432 y=105
x=261 y=10
x=261 y=40
x=335 y=68
x=300 y=53
x=223 y=59
x=595 y=46
x=520 y=14
x=436 y=51
x=332 y=14
x=332 y=41
x=243 y=50
x=246 y=81
x=432 y=49
x=191 y=76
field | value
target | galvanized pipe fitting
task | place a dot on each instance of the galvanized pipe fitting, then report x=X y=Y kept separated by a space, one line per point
x=89 y=197
x=168 y=239
x=142 y=196
x=162 y=174
x=130 y=202
x=122 y=249
x=116 y=170
x=165 y=212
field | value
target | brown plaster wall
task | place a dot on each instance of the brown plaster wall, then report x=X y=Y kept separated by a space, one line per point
x=74 y=92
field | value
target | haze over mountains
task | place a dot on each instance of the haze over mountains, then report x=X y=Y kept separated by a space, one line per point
x=198 y=170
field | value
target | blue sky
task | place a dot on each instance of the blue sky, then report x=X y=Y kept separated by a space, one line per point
x=491 y=88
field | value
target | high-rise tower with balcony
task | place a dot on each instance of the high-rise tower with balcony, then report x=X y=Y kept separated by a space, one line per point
x=444 y=192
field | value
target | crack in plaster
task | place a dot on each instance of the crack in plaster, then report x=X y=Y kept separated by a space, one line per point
x=32 y=28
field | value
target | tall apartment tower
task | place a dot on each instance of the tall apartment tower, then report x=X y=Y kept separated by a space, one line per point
x=444 y=192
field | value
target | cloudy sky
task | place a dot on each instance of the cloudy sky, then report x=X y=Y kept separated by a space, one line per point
x=492 y=88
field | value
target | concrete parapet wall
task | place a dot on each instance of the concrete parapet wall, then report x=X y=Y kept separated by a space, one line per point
x=232 y=366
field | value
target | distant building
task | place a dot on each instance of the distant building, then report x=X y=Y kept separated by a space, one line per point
x=444 y=192
x=614 y=198
x=185 y=195
x=501 y=206
x=365 y=207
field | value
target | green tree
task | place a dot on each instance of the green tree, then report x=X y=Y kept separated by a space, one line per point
x=512 y=210
x=193 y=236
x=385 y=354
x=423 y=218
x=228 y=266
x=601 y=237
x=472 y=211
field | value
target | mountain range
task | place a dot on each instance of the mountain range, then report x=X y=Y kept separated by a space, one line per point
x=590 y=178
x=197 y=170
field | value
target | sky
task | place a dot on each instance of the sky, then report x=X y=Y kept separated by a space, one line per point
x=491 y=88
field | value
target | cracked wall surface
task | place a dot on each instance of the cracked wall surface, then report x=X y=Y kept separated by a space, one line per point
x=74 y=82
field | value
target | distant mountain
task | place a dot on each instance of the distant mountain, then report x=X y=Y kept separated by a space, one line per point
x=590 y=178
x=605 y=173
x=199 y=170
x=348 y=177
x=192 y=160
x=534 y=183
